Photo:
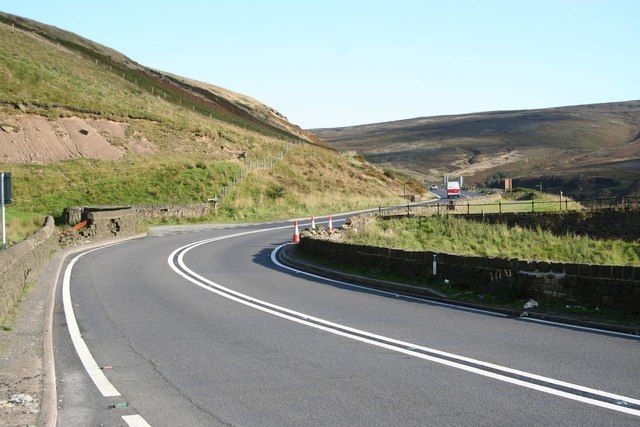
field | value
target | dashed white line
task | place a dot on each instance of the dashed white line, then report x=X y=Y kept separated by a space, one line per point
x=135 y=421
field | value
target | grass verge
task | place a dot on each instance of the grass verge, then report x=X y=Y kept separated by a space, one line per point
x=459 y=236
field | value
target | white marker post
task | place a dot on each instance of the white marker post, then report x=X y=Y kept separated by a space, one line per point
x=435 y=265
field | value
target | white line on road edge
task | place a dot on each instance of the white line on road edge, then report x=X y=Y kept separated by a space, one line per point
x=135 y=421
x=99 y=379
x=440 y=357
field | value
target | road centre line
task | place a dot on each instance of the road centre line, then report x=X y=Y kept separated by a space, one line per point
x=552 y=386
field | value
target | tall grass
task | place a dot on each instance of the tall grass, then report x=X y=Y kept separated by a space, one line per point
x=308 y=181
x=456 y=235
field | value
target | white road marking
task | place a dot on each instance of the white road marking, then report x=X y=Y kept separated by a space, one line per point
x=392 y=344
x=99 y=379
x=135 y=421
x=95 y=373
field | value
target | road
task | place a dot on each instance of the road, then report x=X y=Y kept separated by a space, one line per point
x=442 y=193
x=216 y=333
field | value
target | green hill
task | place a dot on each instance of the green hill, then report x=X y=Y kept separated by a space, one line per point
x=83 y=124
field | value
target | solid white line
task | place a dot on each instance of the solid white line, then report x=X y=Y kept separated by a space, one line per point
x=370 y=338
x=135 y=421
x=274 y=259
x=99 y=379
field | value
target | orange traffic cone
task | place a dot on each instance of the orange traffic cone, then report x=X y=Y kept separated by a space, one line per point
x=313 y=223
x=330 y=227
x=296 y=233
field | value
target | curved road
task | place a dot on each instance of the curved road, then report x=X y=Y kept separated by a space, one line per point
x=217 y=333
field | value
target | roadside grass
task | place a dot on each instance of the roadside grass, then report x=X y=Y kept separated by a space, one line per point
x=516 y=201
x=21 y=224
x=457 y=235
x=308 y=181
x=47 y=189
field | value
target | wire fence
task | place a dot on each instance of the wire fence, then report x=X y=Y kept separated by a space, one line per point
x=255 y=164
x=451 y=207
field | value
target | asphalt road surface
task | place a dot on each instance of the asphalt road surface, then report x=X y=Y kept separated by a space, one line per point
x=203 y=328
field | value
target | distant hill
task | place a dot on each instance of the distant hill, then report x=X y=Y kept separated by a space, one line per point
x=586 y=149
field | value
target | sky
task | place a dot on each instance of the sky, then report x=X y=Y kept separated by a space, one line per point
x=329 y=63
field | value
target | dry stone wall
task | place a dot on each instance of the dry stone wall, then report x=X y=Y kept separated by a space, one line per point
x=615 y=287
x=75 y=214
x=20 y=263
x=607 y=223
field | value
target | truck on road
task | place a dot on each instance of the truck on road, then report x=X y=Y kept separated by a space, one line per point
x=453 y=189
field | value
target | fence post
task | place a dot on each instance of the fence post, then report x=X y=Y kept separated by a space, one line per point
x=379 y=210
x=566 y=204
x=468 y=208
x=533 y=206
x=408 y=210
x=499 y=207
x=438 y=205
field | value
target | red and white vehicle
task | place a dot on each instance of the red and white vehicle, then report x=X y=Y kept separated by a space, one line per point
x=453 y=189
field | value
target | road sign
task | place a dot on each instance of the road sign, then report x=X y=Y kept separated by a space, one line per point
x=5 y=198
x=6 y=187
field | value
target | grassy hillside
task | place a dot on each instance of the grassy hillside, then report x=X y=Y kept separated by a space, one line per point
x=82 y=124
x=573 y=145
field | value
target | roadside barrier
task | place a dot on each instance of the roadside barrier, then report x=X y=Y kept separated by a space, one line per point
x=313 y=223
x=296 y=233
x=330 y=226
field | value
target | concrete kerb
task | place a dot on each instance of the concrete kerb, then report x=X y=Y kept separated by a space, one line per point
x=49 y=409
x=287 y=257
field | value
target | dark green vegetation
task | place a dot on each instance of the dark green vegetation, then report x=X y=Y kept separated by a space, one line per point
x=456 y=235
x=145 y=137
x=586 y=150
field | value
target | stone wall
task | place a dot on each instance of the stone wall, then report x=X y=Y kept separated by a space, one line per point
x=75 y=214
x=20 y=263
x=193 y=210
x=596 y=285
x=112 y=224
x=607 y=223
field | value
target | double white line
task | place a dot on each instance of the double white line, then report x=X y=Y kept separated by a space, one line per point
x=541 y=383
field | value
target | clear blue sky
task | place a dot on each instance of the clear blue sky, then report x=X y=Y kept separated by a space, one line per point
x=332 y=63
